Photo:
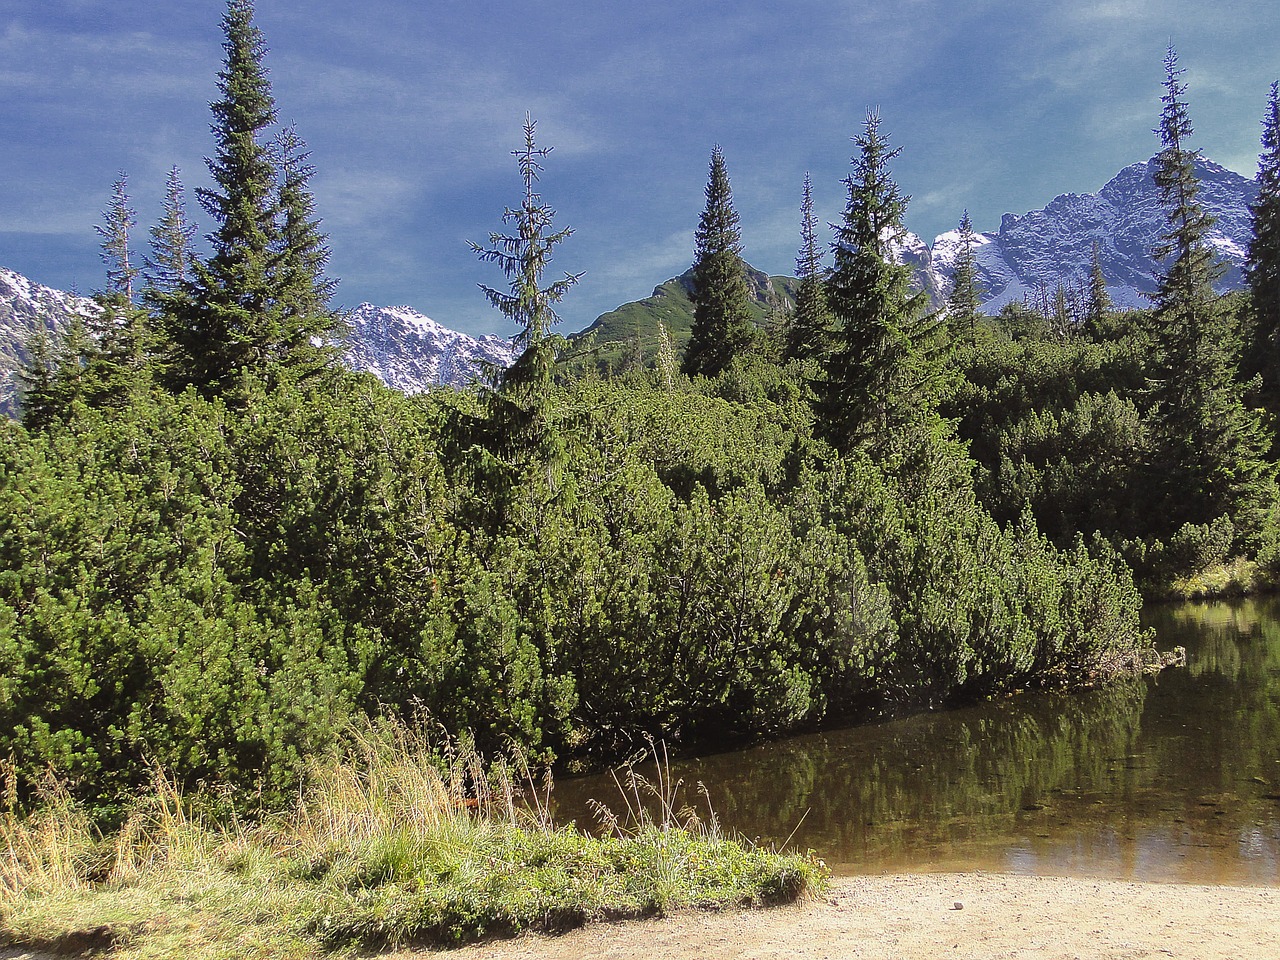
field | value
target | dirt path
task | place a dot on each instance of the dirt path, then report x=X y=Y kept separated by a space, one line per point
x=916 y=918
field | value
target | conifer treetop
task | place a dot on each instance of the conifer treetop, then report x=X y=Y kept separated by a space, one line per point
x=242 y=167
x=303 y=289
x=1189 y=223
x=809 y=260
x=1263 y=266
x=168 y=266
x=523 y=254
x=809 y=332
x=876 y=207
x=962 y=304
x=118 y=219
x=719 y=227
x=722 y=327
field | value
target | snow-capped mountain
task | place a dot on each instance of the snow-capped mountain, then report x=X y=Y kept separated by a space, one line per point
x=909 y=249
x=25 y=309
x=1125 y=218
x=400 y=346
x=410 y=352
x=1034 y=251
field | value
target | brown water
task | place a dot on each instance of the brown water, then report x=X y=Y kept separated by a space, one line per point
x=1170 y=778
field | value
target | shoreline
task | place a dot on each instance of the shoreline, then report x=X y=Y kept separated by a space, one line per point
x=975 y=916
x=915 y=917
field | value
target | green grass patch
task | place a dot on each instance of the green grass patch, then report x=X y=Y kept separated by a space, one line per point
x=1237 y=577
x=398 y=842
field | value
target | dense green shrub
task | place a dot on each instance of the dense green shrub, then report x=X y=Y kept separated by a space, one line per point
x=218 y=588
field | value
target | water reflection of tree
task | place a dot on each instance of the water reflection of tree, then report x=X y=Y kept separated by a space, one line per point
x=873 y=793
x=1180 y=766
x=1222 y=713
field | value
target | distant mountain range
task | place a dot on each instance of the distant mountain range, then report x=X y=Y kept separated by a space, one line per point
x=398 y=345
x=410 y=352
x=1055 y=245
x=1029 y=253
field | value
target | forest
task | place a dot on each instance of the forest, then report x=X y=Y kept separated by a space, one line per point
x=219 y=549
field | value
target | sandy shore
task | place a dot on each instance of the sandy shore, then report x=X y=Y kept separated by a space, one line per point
x=924 y=917
x=931 y=916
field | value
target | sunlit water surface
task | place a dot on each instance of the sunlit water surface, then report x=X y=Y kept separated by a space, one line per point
x=1172 y=778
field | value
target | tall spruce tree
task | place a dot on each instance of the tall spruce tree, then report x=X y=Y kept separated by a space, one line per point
x=883 y=369
x=169 y=265
x=302 y=290
x=523 y=254
x=1263 y=265
x=228 y=324
x=118 y=219
x=962 y=302
x=722 y=327
x=1208 y=454
x=100 y=359
x=118 y=340
x=810 y=329
x=1099 y=304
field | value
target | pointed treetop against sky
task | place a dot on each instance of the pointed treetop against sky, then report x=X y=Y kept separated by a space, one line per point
x=722 y=327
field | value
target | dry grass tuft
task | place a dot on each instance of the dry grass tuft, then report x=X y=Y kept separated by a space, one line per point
x=399 y=840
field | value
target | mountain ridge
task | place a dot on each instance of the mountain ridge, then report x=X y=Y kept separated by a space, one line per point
x=410 y=352
x=27 y=310
x=1028 y=254
x=403 y=348
x=1042 y=248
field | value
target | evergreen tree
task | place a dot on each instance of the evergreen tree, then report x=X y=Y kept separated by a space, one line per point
x=39 y=389
x=769 y=341
x=1099 y=299
x=117 y=220
x=1062 y=313
x=169 y=265
x=667 y=366
x=722 y=327
x=1263 y=266
x=881 y=373
x=62 y=369
x=962 y=303
x=101 y=364
x=523 y=255
x=810 y=329
x=228 y=324
x=302 y=291
x=1208 y=452
x=1191 y=266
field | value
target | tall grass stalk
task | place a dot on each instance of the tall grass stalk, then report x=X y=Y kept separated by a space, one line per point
x=400 y=839
x=47 y=852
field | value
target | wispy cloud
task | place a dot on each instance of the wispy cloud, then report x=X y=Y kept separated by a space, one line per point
x=49 y=64
x=53 y=215
x=412 y=110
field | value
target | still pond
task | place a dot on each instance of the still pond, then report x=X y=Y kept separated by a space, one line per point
x=1170 y=778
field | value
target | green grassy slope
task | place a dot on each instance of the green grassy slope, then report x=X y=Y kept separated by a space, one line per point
x=628 y=336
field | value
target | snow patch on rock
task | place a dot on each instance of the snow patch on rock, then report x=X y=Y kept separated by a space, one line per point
x=411 y=352
x=1125 y=218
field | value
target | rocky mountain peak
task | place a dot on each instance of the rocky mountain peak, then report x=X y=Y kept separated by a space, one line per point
x=28 y=309
x=411 y=352
x=1125 y=218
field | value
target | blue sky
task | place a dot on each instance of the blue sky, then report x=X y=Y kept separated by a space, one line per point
x=411 y=109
